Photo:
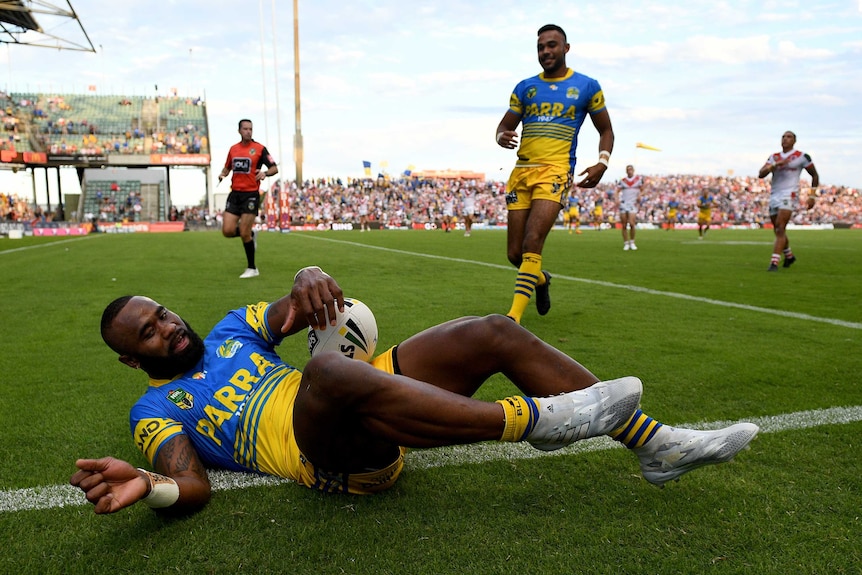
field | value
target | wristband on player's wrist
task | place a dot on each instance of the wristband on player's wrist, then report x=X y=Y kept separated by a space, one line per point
x=164 y=491
x=604 y=157
x=308 y=268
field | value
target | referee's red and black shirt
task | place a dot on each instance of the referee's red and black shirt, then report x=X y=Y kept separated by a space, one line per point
x=244 y=160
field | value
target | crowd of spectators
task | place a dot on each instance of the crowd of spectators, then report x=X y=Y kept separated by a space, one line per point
x=404 y=202
x=115 y=204
x=9 y=123
x=17 y=209
x=739 y=200
x=392 y=203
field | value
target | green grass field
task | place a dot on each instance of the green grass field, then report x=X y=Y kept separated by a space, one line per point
x=714 y=337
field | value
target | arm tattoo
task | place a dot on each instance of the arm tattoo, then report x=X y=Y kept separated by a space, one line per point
x=178 y=455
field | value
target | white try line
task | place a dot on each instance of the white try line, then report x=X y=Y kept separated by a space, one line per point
x=778 y=312
x=54 y=496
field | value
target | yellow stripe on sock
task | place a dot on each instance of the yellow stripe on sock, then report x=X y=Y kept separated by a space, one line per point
x=636 y=431
x=529 y=274
x=517 y=417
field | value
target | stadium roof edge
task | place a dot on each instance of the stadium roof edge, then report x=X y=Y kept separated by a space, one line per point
x=18 y=25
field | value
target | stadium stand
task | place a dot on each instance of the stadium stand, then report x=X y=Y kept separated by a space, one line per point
x=103 y=125
x=54 y=130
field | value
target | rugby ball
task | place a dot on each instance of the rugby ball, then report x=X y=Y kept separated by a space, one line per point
x=354 y=334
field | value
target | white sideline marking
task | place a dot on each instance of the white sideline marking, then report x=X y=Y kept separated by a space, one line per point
x=45 y=245
x=53 y=496
x=778 y=312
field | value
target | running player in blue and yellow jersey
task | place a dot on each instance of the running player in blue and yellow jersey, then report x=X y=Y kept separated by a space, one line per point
x=550 y=108
x=250 y=163
x=572 y=213
x=672 y=213
x=342 y=425
x=704 y=213
x=598 y=212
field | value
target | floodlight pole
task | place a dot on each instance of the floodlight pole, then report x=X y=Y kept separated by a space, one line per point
x=297 y=139
x=263 y=76
x=277 y=99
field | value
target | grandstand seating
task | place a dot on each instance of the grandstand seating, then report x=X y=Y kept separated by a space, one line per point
x=109 y=124
x=126 y=200
x=106 y=125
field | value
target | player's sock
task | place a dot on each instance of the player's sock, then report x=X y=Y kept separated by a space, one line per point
x=520 y=415
x=529 y=274
x=249 y=252
x=638 y=430
x=775 y=259
x=788 y=254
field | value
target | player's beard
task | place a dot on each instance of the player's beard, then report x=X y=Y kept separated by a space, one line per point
x=553 y=66
x=178 y=363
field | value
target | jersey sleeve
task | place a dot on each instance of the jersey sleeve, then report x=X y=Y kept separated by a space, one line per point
x=265 y=159
x=150 y=430
x=597 y=100
x=516 y=105
x=256 y=317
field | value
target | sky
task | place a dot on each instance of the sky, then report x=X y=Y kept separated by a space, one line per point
x=419 y=83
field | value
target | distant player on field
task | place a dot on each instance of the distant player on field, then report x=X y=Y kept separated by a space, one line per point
x=630 y=188
x=704 y=212
x=468 y=206
x=598 y=212
x=786 y=167
x=572 y=215
x=672 y=213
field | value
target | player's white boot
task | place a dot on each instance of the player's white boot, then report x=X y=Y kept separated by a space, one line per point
x=673 y=452
x=590 y=412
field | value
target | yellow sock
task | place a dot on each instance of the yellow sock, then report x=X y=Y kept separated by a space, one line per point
x=529 y=274
x=636 y=431
x=520 y=415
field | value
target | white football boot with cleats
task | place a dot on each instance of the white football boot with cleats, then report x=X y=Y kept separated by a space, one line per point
x=673 y=452
x=596 y=410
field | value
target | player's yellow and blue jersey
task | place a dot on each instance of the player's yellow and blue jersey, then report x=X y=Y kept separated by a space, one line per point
x=704 y=206
x=222 y=402
x=672 y=208
x=552 y=111
x=572 y=205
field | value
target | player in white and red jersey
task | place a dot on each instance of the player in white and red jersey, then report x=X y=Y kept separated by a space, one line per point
x=630 y=187
x=363 y=213
x=448 y=219
x=786 y=167
x=468 y=207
